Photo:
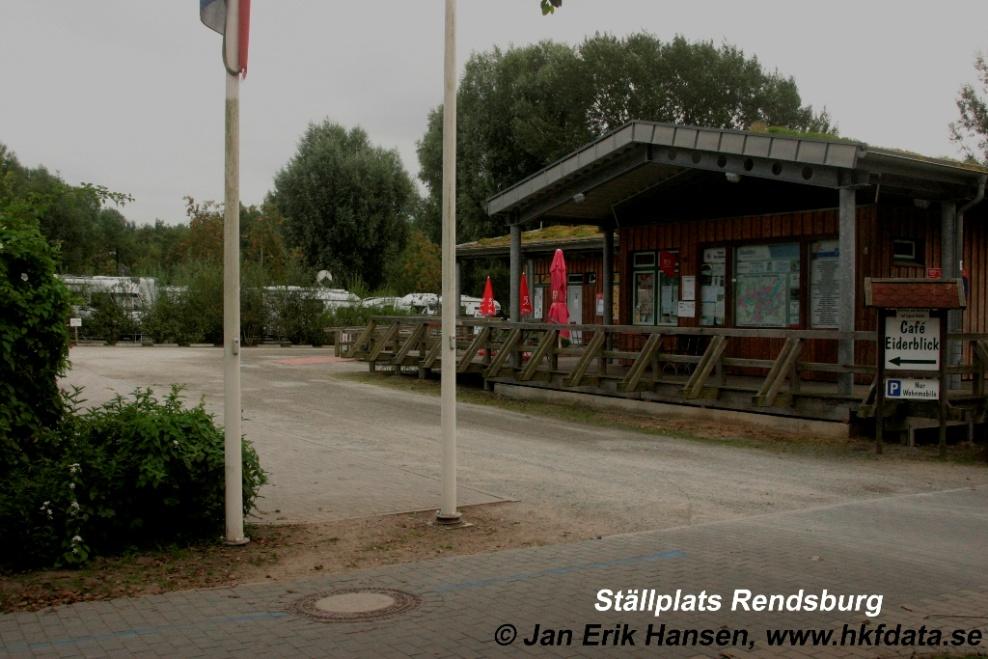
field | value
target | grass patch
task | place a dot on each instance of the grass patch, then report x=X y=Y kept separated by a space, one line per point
x=722 y=433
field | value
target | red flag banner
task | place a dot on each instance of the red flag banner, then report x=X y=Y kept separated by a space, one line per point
x=235 y=28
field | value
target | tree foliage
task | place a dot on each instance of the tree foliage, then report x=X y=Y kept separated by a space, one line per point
x=523 y=108
x=84 y=225
x=346 y=203
x=550 y=6
x=418 y=269
x=972 y=127
x=34 y=311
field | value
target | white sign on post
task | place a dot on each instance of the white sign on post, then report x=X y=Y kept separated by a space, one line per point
x=912 y=341
x=75 y=322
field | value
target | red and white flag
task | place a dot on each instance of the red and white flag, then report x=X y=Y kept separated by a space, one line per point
x=231 y=18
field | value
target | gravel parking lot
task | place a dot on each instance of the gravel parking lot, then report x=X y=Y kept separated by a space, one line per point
x=338 y=448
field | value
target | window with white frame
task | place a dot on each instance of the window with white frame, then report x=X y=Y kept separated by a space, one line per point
x=656 y=288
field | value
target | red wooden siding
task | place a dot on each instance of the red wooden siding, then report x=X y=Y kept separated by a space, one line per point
x=580 y=262
x=877 y=226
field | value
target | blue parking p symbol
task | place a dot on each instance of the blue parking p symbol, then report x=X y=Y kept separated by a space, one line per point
x=893 y=388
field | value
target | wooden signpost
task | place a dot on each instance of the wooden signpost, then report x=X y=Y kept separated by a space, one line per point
x=912 y=343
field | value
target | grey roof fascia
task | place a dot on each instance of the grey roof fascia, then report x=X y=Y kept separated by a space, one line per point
x=604 y=146
x=885 y=161
x=591 y=243
x=809 y=151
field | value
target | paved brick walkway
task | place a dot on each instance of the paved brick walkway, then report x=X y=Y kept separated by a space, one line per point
x=925 y=553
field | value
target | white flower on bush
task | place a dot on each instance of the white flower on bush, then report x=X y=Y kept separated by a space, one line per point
x=76 y=539
x=74 y=468
x=71 y=486
x=24 y=276
x=74 y=507
x=175 y=443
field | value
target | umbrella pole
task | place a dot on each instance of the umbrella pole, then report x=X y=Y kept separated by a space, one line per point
x=448 y=513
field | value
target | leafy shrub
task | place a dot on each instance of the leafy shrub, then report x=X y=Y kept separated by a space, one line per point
x=253 y=313
x=166 y=319
x=358 y=316
x=109 y=320
x=34 y=339
x=131 y=473
x=297 y=316
x=202 y=310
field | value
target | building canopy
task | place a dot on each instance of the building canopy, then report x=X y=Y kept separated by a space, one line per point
x=642 y=159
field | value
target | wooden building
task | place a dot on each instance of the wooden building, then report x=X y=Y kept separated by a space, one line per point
x=730 y=267
x=583 y=247
x=738 y=229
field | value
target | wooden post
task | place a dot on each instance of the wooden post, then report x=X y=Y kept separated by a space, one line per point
x=458 y=290
x=848 y=283
x=880 y=383
x=608 y=275
x=515 y=285
x=514 y=257
x=944 y=381
x=950 y=255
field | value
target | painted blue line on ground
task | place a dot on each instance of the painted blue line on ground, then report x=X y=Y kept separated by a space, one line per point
x=136 y=632
x=565 y=569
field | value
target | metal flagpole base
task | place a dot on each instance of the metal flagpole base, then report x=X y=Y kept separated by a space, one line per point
x=454 y=521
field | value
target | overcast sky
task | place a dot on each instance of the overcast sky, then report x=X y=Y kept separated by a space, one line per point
x=129 y=93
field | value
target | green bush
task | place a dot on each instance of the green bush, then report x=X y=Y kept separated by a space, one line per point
x=132 y=473
x=201 y=310
x=358 y=316
x=165 y=320
x=297 y=316
x=34 y=339
x=109 y=320
x=253 y=313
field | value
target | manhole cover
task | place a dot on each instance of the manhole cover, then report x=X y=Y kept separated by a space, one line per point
x=356 y=604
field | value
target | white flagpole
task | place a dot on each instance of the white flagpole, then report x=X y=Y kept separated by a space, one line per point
x=448 y=513
x=231 y=291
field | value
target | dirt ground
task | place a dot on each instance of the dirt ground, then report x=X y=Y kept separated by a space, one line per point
x=289 y=551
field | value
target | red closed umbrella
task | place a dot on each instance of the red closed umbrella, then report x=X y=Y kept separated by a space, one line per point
x=487 y=303
x=526 y=299
x=558 y=310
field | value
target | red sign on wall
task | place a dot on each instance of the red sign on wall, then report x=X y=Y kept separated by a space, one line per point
x=667 y=263
x=934 y=273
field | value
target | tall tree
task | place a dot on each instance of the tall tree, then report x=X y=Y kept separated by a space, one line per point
x=204 y=241
x=418 y=269
x=346 y=203
x=973 y=123
x=523 y=108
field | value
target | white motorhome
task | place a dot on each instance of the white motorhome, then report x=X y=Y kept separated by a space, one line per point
x=133 y=294
x=331 y=298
